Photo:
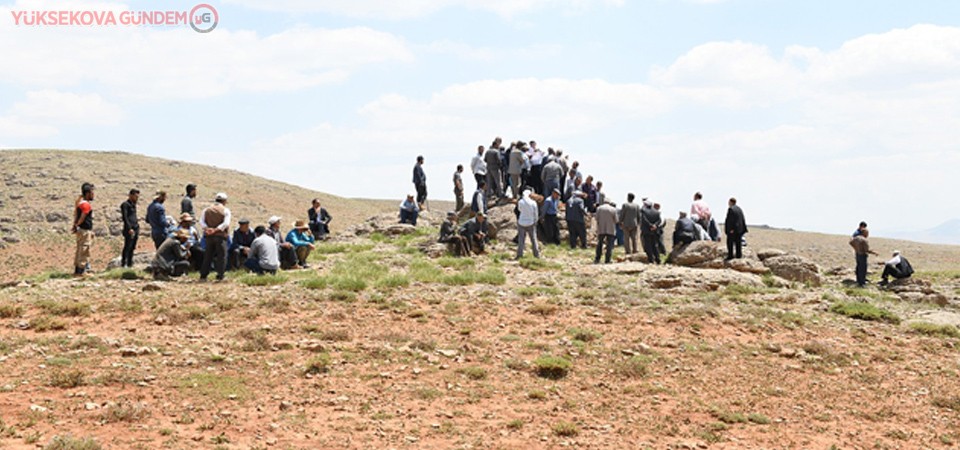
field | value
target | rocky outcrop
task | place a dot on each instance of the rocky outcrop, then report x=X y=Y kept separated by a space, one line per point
x=795 y=268
x=767 y=253
x=140 y=260
x=917 y=291
x=389 y=224
x=697 y=253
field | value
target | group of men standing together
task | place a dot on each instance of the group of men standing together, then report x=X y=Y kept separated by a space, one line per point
x=205 y=245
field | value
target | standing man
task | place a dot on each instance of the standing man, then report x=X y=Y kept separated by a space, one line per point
x=494 y=171
x=131 y=228
x=186 y=205
x=420 y=181
x=478 y=166
x=660 y=227
x=157 y=218
x=479 y=202
x=548 y=215
x=861 y=247
x=514 y=169
x=735 y=227
x=606 y=231
x=629 y=221
x=527 y=224
x=319 y=220
x=601 y=196
x=564 y=169
x=590 y=191
x=243 y=238
x=83 y=228
x=649 y=226
x=576 y=215
x=458 y=186
x=536 y=167
x=215 y=223
x=859 y=230
x=550 y=176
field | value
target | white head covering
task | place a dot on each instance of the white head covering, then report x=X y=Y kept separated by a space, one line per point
x=647 y=203
x=274 y=219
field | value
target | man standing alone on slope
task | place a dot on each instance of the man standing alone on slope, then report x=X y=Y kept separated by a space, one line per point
x=420 y=181
x=215 y=223
x=861 y=246
x=458 y=187
x=83 y=228
x=736 y=226
x=186 y=205
x=157 y=218
x=131 y=228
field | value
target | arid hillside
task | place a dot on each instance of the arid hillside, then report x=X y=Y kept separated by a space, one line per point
x=39 y=188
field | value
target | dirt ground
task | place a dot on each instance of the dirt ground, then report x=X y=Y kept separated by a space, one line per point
x=378 y=347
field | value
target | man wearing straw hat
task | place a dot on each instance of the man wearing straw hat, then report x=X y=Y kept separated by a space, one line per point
x=302 y=241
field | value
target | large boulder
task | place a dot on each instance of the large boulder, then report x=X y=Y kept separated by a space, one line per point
x=916 y=290
x=697 y=253
x=767 y=253
x=502 y=223
x=795 y=268
x=747 y=265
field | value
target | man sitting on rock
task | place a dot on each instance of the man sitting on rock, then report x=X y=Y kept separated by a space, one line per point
x=449 y=236
x=171 y=258
x=898 y=267
x=264 y=254
x=240 y=245
x=409 y=210
x=475 y=231
x=302 y=241
x=685 y=231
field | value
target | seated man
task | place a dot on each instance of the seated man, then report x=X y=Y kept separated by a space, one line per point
x=302 y=241
x=685 y=231
x=264 y=256
x=701 y=233
x=319 y=220
x=449 y=236
x=475 y=232
x=193 y=244
x=171 y=257
x=898 y=267
x=288 y=257
x=240 y=245
x=409 y=211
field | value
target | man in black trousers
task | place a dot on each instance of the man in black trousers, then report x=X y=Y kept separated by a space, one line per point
x=420 y=181
x=735 y=227
x=649 y=232
x=131 y=228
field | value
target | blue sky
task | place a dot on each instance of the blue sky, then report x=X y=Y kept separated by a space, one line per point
x=815 y=114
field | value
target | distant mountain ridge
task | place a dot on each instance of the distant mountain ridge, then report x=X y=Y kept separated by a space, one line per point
x=946 y=233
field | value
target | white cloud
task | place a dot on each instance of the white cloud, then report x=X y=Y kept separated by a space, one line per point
x=142 y=63
x=417 y=8
x=489 y=54
x=43 y=111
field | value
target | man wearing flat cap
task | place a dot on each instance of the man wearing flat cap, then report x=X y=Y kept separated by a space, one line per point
x=448 y=235
x=475 y=231
x=240 y=244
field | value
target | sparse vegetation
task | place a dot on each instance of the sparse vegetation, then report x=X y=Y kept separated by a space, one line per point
x=930 y=329
x=263 y=280
x=318 y=364
x=864 y=311
x=566 y=429
x=552 y=367
x=67 y=442
x=67 y=379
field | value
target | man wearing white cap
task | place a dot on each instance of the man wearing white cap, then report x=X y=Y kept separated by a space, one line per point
x=288 y=256
x=215 y=222
x=897 y=267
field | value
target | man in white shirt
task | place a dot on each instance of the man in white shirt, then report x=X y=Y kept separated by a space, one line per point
x=897 y=267
x=527 y=224
x=478 y=166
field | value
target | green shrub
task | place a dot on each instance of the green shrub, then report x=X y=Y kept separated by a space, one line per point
x=539 y=264
x=543 y=309
x=729 y=417
x=489 y=276
x=66 y=442
x=864 y=311
x=46 y=323
x=566 y=429
x=9 y=311
x=758 y=419
x=935 y=330
x=534 y=291
x=473 y=372
x=65 y=308
x=67 y=379
x=449 y=261
x=394 y=281
x=315 y=282
x=552 y=367
x=632 y=367
x=318 y=364
x=583 y=334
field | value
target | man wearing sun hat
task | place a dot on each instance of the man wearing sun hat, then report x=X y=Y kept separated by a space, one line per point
x=215 y=222
x=302 y=241
x=186 y=225
x=172 y=256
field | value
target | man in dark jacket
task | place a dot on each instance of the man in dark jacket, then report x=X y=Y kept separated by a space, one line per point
x=186 y=204
x=240 y=245
x=131 y=228
x=449 y=235
x=479 y=202
x=172 y=257
x=735 y=226
x=649 y=232
x=685 y=231
x=420 y=181
x=629 y=221
x=157 y=218
x=494 y=171
x=319 y=220
x=576 y=215
x=475 y=231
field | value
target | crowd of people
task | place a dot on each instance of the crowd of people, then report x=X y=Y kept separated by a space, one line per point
x=203 y=242
x=541 y=185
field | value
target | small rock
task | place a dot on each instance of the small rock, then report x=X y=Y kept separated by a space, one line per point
x=448 y=353
x=152 y=287
x=89 y=406
x=285 y=405
x=37 y=408
x=271 y=441
x=161 y=320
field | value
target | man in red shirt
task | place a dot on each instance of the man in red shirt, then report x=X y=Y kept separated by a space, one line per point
x=83 y=228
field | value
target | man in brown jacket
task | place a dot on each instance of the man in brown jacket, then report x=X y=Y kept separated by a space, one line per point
x=215 y=222
x=861 y=246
